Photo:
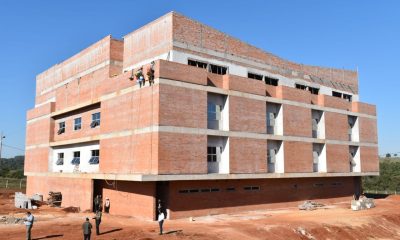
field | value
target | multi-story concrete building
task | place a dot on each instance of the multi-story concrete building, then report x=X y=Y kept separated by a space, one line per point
x=224 y=127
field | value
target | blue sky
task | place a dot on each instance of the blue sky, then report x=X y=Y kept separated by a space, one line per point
x=34 y=35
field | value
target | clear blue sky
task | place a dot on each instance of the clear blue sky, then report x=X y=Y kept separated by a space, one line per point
x=34 y=35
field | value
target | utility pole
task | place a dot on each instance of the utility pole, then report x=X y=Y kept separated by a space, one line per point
x=1 y=142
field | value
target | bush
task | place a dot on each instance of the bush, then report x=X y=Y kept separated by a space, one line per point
x=389 y=178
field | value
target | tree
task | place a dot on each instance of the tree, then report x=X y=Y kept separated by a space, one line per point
x=388 y=155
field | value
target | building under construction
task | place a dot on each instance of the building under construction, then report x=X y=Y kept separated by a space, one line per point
x=181 y=112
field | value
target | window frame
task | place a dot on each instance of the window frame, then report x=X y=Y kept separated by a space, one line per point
x=95 y=121
x=75 y=124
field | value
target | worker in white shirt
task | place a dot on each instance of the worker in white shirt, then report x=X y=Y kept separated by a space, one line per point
x=161 y=218
x=29 y=224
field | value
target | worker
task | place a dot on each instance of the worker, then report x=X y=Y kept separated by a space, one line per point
x=161 y=218
x=29 y=224
x=87 y=229
x=96 y=203
x=97 y=218
x=107 y=206
x=150 y=73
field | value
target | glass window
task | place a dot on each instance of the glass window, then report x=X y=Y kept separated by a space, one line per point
x=77 y=123
x=95 y=120
x=213 y=111
x=211 y=154
x=60 y=159
x=61 y=128
x=95 y=158
x=77 y=158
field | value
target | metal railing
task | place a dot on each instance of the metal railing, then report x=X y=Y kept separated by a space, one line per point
x=12 y=183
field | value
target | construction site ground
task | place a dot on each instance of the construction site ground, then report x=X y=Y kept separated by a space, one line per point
x=335 y=221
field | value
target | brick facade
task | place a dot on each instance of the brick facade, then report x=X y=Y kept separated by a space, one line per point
x=196 y=127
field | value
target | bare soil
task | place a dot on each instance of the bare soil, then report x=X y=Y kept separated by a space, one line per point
x=330 y=222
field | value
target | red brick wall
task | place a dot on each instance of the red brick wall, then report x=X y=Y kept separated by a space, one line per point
x=337 y=158
x=364 y=108
x=39 y=131
x=368 y=130
x=85 y=131
x=336 y=126
x=133 y=199
x=182 y=72
x=130 y=154
x=293 y=94
x=191 y=32
x=182 y=153
x=298 y=157
x=40 y=111
x=334 y=102
x=75 y=192
x=247 y=155
x=247 y=115
x=183 y=107
x=273 y=193
x=149 y=41
x=296 y=121
x=246 y=85
x=37 y=159
x=369 y=159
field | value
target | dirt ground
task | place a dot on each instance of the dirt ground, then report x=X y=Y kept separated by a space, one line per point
x=331 y=222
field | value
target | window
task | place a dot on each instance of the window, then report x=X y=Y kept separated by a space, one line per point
x=183 y=191
x=213 y=112
x=255 y=76
x=61 y=128
x=301 y=86
x=337 y=94
x=230 y=189
x=218 y=69
x=252 y=188
x=77 y=123
x=212 y=154
x=206 y=190
x=196 y=63
x=271 y=81
x=271 y=155
x=318 y=185
x=347 y=97
x=77 y=158
x=335 y=184
x=95 y=120
x=95 y=158
x=194 y=190
x=60 y=159
x=214 y=189
x=313 y=90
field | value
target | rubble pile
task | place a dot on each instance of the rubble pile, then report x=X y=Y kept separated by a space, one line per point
x=309 y=205
x=54 y=199
x=11 y=220
x=362 y=203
